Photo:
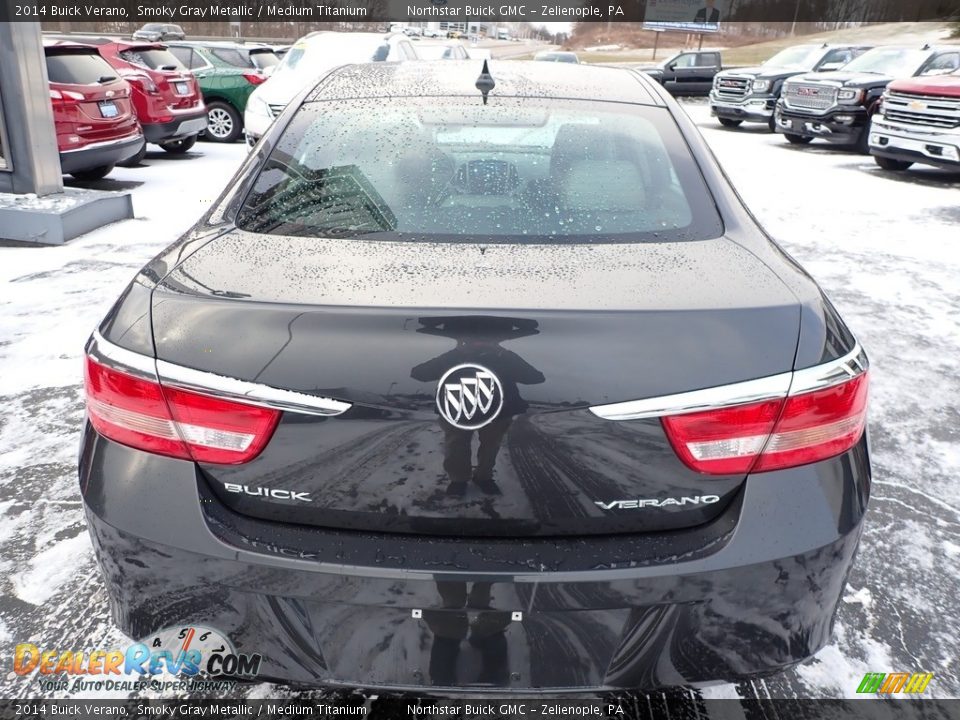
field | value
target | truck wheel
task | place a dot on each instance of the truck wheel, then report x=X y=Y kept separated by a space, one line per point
x=135 y=160
x=224 y=124
x=891 y=164
x=797 y=139
x=729 y=122
x=97 y=173
x=178 y=147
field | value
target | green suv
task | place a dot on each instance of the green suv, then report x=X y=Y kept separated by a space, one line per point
x=227 y=72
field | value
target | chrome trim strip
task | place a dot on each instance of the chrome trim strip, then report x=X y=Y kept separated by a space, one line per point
x=118 y=358
x=211 y=383
x=768 y=388
x=831 y=373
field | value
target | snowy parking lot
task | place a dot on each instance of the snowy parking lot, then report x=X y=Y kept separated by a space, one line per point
x=886 y=248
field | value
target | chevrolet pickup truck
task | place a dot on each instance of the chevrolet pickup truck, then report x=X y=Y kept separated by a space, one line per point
x=750 y=94
x=918 y=121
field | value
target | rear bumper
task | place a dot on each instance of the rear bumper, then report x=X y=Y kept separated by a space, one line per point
x=182 y=126
x=99 y=154
x=749 y=109
x=915 y=144
x=842 y=126
x=752 y=592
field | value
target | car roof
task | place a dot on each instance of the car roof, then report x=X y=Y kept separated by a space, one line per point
x=457 y=78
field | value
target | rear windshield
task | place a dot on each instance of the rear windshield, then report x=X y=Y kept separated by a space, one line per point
x=263 y=58
x=78 y=68
x=232 y=56
x=516 y=170
x=154 y=59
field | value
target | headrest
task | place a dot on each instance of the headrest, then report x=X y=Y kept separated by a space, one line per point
x=576 y=142
x=604 y=186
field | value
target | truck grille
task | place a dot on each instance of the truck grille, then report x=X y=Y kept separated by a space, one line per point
x=929 y=110
x=809 y=97
x=732 y=88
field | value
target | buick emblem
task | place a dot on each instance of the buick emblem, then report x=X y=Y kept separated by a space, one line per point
x=469 y=396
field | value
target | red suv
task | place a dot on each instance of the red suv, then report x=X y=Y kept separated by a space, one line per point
x=94 y=118
x=166 y=96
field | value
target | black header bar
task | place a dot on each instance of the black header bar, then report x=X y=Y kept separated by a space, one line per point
x=172 y=11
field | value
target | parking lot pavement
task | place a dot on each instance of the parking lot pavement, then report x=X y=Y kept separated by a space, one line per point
x=884 y=247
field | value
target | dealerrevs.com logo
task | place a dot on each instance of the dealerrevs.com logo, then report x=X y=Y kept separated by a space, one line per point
x=184 y=651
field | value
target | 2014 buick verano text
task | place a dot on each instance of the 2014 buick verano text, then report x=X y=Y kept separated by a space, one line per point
x=479 y=383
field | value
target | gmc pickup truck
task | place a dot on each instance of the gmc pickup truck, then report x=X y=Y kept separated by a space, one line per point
x=690 y=72
x=750 y=94
x=837 y=107
x=918 y=121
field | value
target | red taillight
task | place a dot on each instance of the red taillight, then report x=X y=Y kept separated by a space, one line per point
x=772 y=435
x=178 y=423
x=65 y=97
x=142 y=81
x=254 y=78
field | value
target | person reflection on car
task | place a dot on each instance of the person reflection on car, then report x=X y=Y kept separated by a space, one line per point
x=452 y=625
x=478 y=342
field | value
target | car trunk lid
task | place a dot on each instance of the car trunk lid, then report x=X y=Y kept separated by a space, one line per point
x=562 y=327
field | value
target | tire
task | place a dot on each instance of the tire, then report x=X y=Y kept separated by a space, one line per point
x=798 y=139
x=772 y=124
x=97 y=173
x=224 y=124
x=891 y=164
x=729 y=122
x=136 y=159
x=179 y=147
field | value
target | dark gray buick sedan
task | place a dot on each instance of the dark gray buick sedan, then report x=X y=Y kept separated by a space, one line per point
x=478 y=380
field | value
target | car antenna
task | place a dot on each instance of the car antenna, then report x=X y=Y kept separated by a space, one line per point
x=485 y=83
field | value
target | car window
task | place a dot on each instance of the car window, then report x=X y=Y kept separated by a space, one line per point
x=232 y=56
x=183 y=54
x=685 y=61
x=893 y=61
x=152 y=58
x=840 y=55
x=78 y=68
x=518 y=171
x=263 y=58
x=799 y=57
x=943 y=64
x=708 y=60
x=152 y=27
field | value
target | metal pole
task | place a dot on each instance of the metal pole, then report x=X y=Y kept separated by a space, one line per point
x=32 y=159
x=656 y=41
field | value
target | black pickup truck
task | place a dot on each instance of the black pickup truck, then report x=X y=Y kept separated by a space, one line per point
x=837 y=107
x=750 y=94
x=689 y=72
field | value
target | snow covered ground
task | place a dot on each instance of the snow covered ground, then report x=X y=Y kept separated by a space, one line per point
x=886 y=248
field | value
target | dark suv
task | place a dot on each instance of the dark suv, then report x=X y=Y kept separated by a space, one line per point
x=159 y=32
x=751 y=94
x=837 y=107
x=227 y=73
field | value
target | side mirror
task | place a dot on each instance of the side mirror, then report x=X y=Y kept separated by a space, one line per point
x=672 y=66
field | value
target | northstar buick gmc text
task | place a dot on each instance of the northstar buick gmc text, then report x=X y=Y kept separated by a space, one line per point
x=465 y=387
